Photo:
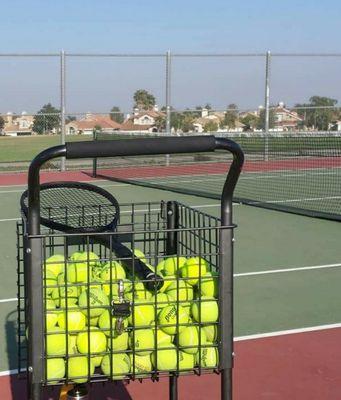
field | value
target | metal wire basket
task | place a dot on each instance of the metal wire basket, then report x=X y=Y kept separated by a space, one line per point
x=84 y=317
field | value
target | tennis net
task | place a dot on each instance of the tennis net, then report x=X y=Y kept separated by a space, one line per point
x=298 y=172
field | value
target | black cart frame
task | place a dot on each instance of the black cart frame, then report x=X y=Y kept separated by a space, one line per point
x=33 y=242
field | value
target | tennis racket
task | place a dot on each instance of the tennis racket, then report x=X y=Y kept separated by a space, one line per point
x=74 y=207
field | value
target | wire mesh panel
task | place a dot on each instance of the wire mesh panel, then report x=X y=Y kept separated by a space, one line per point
x=298 y=172
x=100 y=320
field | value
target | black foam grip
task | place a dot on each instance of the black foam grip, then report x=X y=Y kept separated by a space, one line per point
x=140 y=146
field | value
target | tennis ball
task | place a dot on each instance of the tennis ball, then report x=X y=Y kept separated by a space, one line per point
x=170 y=266
x=60 y=294
x=167 y=281
x=55 y=264
x=190 y=337
x=186 y=361
x=112 y=271
x=115 y=288
x=117 y=365
x=55 y=370
x=55 y=342
x=51 y=317
x=80 y=267
x=142 y=314
x=96 y=360
x=142 y=341
x=75 y=320
x=180 y=288
x=93 y=321
x=78 y=369
x=72 y=344
x=138 y=291
x=194 y=268
x=207 y=357
x=161 y=300
x=209 y=285
x=211 y=332
x=169 y=316
x=140 y=365
x=50 y=282
x=162 y=338
x=98 y=300
x=208 y=311
x=164 y=359
x=139 y=254
x=83 y=256
x=104 y=323
x=119 y=342
x=96 y=339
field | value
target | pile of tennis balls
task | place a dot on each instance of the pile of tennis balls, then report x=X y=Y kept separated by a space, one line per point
x=166 y=330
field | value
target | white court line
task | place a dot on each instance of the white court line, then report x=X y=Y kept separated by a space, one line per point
x=250 y=337
x=264 y=272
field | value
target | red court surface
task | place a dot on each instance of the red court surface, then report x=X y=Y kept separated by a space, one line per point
x=303 y=366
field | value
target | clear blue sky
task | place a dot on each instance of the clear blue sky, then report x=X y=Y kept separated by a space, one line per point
x=156 y=26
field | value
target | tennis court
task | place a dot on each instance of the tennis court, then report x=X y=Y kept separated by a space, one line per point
x=287 y=302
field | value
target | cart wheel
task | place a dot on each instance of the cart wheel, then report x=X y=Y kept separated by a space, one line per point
x=77 y=392
x=64 y=391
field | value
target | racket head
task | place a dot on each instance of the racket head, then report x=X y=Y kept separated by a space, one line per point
x=75 y=207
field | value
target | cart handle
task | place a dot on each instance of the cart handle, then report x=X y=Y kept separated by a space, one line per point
x=133 y=147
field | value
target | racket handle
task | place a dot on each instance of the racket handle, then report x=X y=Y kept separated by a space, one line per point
x=153 y=281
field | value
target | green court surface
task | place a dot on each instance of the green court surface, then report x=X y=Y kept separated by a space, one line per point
x=288 y=267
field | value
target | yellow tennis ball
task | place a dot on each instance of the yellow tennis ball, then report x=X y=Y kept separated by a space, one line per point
x=194 y=268
x=81 y=265
x=211 y=332
x=108 y=326
x=172 y=318
x=55 y=342
x=116 y=365
x=208 y=357
x=140 y=365
x=138 y=292
x=141 y=314
x=51 y=317
x=209 y=285
x=189 y=339
x=55 y=370
x=139 y=254
x=79 y=368
x=84 y=256
x=50 y=282
x=180 y=290
x=119 y=342
x=165 y=359
x=61 y=293
x=97 y=301
x=112 y=271
x=93 y=321
x=162 y=338
x=55 y=264
x=167 y=281
x=96 y=360
x=72 y=344
x=141 y=341
x=171 y=266
x=161 y=300
x=115 y=288
x=205 y=311
x=91 y=342
x=186 y=361
x=75 y=321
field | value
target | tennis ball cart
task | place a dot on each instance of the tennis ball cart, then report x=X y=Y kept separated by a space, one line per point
x=113 y=292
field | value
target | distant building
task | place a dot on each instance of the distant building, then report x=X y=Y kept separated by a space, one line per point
x=142 y=120
x=89 y=123
x=18 y=125
x=218 y=118
x=285 y=119
x=335 y=126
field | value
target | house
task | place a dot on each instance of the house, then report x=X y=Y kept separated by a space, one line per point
x=18 y=125
x=89 y=123
x=335 y=126
x=142 y=120
x=285 y=119
x=216 y=117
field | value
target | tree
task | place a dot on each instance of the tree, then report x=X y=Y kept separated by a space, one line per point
x=160 y=123
x=187 y=122
x=315 y=117
x=210 y=126
x=231 y=116
x=261 y=119
x=143 y=100
x=250 y=122
x=2 y=123
x=70 y=118
x=116 y=115
x=46 y=120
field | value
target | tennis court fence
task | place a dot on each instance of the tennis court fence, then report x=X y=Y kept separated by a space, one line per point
x=297 y=172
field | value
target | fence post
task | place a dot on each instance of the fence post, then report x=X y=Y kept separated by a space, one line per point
x=267 y=105
x=168 y=98
x=62 y=104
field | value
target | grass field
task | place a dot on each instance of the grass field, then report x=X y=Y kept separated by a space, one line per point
x=17 y=149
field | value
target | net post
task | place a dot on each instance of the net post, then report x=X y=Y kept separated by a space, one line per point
x=62 y=104
x=267 y=105
x=168 y=98
x=171 y=249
